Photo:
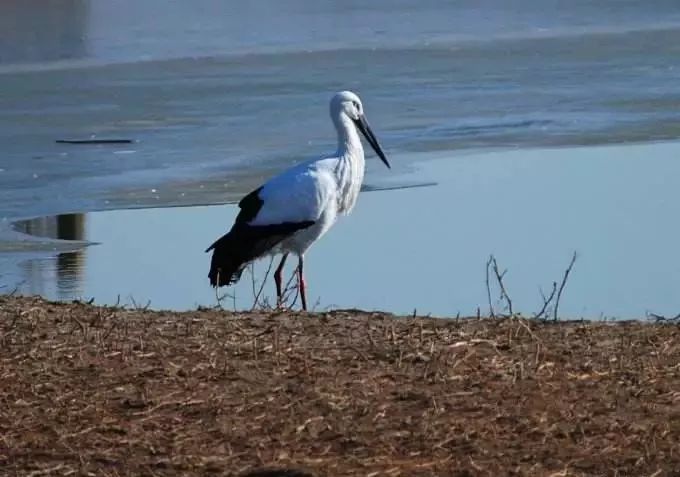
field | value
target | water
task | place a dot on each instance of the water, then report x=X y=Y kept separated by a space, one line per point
x=421 y=248
x=217 y=97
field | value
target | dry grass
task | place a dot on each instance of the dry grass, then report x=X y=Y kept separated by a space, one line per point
x=99 y=391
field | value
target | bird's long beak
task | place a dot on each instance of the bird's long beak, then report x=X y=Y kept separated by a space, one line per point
x=365 y=129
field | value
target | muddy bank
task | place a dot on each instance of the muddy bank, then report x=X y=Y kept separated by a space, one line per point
x=106 y=391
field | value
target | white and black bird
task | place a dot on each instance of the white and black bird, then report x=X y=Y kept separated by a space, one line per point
x=294 y=209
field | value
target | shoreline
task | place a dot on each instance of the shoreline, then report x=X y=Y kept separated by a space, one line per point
x=103 y=389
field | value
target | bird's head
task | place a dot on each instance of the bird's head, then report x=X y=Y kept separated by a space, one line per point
x=346 y=103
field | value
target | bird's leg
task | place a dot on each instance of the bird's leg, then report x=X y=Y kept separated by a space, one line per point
x=277 y=279
x=301 y=282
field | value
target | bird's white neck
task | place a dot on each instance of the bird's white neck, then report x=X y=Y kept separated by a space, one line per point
x=349 y=142
x=350 y=169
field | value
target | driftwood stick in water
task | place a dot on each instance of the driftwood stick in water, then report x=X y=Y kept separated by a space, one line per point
x=94 y=141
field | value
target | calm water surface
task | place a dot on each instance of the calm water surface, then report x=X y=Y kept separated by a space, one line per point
x=422 y=248
x=217 y=97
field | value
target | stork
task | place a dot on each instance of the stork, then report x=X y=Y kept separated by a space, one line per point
x=294 y=209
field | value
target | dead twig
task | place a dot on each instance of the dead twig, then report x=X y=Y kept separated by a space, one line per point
x=138 y=306
x=493 y=265
x=288 y=291
x=564 y=282
x=546 y=301
x=504 y=293
x=662 y=318
x=488 y=290
x=256 y=299
x=219 y=298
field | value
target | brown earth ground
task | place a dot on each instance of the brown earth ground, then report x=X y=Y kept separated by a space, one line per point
x=88 y=390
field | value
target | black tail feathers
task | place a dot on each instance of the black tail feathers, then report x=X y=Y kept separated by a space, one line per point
x=225 y=266
x=243 y=244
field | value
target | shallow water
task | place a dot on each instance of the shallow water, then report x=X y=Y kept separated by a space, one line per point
x=218 y=97
x=422 y=248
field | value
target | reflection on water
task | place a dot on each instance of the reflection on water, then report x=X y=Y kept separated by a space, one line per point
x=39 y=30
x=69 y=266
